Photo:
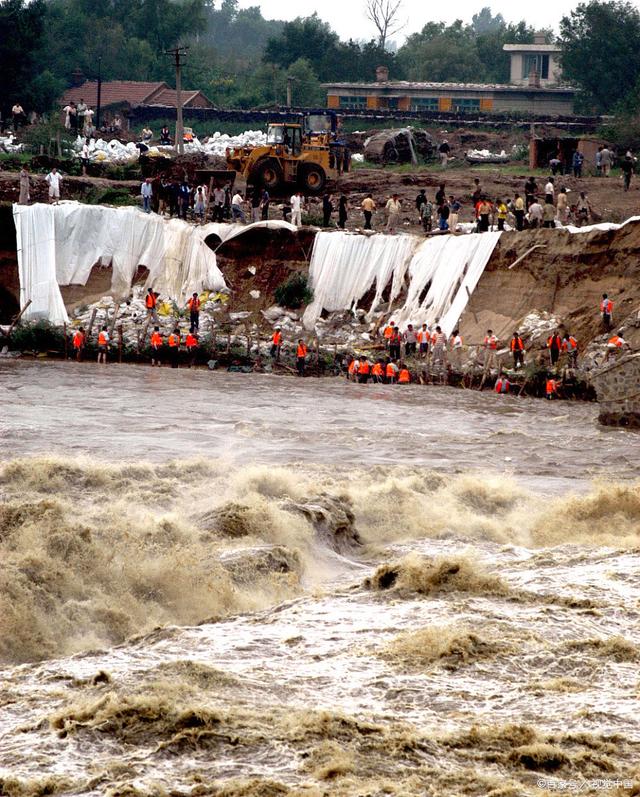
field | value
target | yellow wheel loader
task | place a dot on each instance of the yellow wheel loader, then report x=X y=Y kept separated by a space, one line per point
x=304 y=156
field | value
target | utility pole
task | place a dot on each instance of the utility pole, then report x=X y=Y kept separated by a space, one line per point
x=179 y=54
x=99 y=97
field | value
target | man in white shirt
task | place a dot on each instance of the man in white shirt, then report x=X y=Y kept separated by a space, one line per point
x=549 y=191
x=54 y=179
x=146 y=192
x=393 y=208
x=606 y=159
x=237 y=212
x=296 y=209
x=218 y=203
x=536 y=214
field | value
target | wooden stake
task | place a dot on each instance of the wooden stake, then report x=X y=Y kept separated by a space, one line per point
x=17 y=318
x=91 y=322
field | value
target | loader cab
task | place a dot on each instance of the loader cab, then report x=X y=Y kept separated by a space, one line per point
x=321 y=124
x=287 y=136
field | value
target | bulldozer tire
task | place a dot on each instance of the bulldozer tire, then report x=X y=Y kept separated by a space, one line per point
x=312 y=179
x=268 y=174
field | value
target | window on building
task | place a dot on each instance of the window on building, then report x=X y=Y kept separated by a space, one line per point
x=424 y=103
x=541 y=63
x=354 y=103
x=461 y=104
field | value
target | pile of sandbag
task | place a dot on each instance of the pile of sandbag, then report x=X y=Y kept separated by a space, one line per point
x=404 y=145
x=486 y=156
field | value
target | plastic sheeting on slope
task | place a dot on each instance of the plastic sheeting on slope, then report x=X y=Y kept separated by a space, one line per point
x=60 y=244
x=345 y=266
x=451 y=267
x=225 y=232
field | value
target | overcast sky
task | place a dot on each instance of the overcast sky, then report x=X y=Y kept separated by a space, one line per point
x=347 y=18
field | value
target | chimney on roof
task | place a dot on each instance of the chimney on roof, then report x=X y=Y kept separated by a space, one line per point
x=534 y=77
x=539 y=37
x=382 y=74
x=77 y=78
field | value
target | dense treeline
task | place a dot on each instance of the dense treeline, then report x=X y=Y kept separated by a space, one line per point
x=242 y=60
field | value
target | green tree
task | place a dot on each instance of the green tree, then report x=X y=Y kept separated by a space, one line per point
x=485 y=22
x=307 y=89
x=441 y=53
x=600 y=52
x=305 y=37
x=22 y=26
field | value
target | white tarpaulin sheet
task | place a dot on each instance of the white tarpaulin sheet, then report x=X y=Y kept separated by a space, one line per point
x=60 y=244
x=344 y=267
x=450 y=266
x=226 y=232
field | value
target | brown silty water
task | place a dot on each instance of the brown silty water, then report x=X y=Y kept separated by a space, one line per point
x=249 y=585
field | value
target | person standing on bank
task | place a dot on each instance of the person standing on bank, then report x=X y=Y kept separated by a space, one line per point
x=301 y=357
x=54 y=178
x=276 y=344
x=444 y=149
x=174 y=347
x=343 y=211
x=368 y=208
x=554 y=344
x=327 y=210
x=151 y=303
x=194 y=313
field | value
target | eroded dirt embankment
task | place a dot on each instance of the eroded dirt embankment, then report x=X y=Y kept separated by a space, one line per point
x=565 y=275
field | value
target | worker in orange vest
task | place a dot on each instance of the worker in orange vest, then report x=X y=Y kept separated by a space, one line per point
x=174 y=347
x=570 y=345
x=103 y=345
x=517 y=350
x=616 y=344
x=377 y=372
x=78 y=342
x=194 y=313
x=502 y=384
x=606 y=311
x=404 y=377
x=391 y=372
x=276 y=344
x=395 y=341
x=151 y=303
x=301 y=356
x=554 y=344
x=364 y=369
x=191 y=342
x=352 y=369
x=424 y=338
x=388 y=331
x=552 y=388
x=156 y=347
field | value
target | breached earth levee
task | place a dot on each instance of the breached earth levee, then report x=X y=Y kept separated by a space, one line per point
x=244 y=585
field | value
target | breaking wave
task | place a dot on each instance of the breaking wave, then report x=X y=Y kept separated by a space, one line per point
x=93 y=554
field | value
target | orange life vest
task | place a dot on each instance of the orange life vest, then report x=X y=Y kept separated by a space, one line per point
x=194 y=304
x=502 y=386
x=423 y=336
x=616 y=341
x=277 y=339
x=302 y=350
x=395 y=337
x=554 y=342
x=569 y=344
x=78 y=340
x=151 y=301
x=377 y=370
x=551 y=387
x=174 y=340
x=391 y=371
x=352 y=367
x=388 y=332
x=606 y=306
x=364 y=367
x=102 y=339
x=191 y=341
x=404 y=377
x=491 y=342
x=156 y=340
x=517 y=344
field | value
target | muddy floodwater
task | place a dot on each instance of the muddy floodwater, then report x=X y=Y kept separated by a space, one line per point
x=245 y=585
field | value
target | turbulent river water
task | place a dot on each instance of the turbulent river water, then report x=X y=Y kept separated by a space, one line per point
x=227 y=584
